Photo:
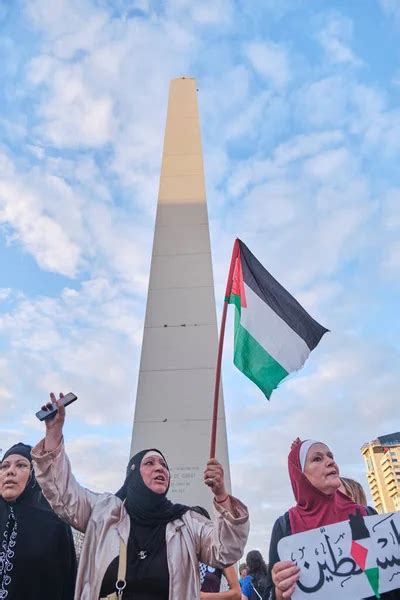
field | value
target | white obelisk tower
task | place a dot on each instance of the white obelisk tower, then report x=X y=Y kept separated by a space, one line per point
x=177 y=369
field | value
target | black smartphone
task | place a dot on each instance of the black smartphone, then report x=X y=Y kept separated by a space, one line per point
x=45 y=414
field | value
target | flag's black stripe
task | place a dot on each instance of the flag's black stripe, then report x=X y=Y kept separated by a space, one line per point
x=268 y=289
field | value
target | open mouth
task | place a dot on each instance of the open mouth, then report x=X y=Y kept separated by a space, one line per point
x=159 y=479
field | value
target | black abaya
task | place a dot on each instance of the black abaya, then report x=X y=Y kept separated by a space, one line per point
x=37 y=555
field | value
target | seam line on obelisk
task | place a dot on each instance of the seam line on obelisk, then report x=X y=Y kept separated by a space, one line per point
x=175 y=369
x=178 y=325
x=183 y=225
x=184 y=254
x=179 y=154
x=183 y=287
x=177 y=420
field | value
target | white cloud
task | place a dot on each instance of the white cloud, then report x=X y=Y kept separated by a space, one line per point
x=335 y=38
x=329 y=163
x=378 y=124
x=124 y=8
x=22 y=210
x=208 y=13
x=324 y=103
x=87 y=340
x=5 y=293
x=391 y=8
x=391 y=209
x=253 y=171
x=76 y=115
x=271 y=61
x=212 y=12
x=304 y=145
x=227 y=94
x=106 y=457
x=62 y=18
x=63 y=215
x=5 y=394
x=107 y=94
x=7 y=387
x=247 y=121
x=310 y=200
x=391 y=261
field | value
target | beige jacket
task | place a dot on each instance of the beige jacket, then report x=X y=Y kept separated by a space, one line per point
x=104 y=520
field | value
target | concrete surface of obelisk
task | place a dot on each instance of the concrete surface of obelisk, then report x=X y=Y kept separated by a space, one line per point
x=177 y=368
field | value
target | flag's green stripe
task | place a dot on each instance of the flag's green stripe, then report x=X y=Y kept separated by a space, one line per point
x=234 y=299
x=373 y=578
x=254 y=361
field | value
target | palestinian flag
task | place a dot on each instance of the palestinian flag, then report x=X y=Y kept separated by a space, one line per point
x=273 y=334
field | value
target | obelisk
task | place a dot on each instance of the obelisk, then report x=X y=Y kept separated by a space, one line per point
x=177 y=368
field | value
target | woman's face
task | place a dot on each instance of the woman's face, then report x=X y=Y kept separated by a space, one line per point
x=14 y=475
x=321 y=469
x=154 y=472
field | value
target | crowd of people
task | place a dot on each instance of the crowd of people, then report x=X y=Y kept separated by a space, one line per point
x=137 y=544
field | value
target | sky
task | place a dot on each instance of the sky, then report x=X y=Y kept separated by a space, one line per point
x=301 y=137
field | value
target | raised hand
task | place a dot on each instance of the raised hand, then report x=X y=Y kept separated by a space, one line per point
x=54 y=425
x=214 y=478
x=295 y=443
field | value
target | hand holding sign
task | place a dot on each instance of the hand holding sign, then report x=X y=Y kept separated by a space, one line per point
x=285 y=575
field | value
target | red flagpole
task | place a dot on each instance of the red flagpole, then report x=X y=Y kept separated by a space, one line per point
x=235 y=254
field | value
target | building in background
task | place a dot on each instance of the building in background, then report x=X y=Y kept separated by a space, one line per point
x=382 y=459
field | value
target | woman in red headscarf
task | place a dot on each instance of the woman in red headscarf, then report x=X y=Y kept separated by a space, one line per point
x=315 y=480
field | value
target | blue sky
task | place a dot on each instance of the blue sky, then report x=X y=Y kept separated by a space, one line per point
x=301 y=136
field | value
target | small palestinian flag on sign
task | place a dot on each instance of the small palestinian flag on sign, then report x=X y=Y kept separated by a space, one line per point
x=273 y=334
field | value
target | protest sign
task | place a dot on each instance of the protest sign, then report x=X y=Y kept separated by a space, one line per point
x=353 y=559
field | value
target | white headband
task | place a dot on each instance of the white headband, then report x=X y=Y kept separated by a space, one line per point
x=304 y=448
x=152 y=453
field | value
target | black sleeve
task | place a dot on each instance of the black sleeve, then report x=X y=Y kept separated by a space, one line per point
x=70 y=564
x=278 y=532
x=371 y=511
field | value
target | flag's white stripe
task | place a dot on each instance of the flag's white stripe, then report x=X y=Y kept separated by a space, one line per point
x=273 y=333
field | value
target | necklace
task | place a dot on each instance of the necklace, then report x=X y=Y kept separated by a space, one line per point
x=147 y=543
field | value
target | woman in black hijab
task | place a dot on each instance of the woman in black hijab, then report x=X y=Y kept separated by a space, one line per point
x=163 y=542
x=150 y=511
x=37 y=556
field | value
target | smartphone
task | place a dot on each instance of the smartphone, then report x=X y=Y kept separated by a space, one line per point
x=46 y=414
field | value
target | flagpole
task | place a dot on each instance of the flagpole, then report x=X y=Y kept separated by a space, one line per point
x=235 y=254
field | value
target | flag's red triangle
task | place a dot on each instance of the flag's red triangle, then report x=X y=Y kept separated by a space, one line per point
x=237 y=282
x=359 y=553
